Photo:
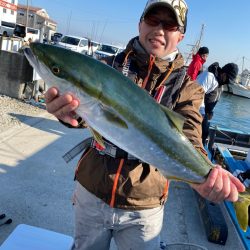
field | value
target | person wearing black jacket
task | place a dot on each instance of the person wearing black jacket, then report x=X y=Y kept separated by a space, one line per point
x=212 y=81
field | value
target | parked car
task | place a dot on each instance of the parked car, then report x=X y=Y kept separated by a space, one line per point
x=74 y=43
x=105 y=50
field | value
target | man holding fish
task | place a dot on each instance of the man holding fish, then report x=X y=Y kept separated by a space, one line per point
x=118 y=195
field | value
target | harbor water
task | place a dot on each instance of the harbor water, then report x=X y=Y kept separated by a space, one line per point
x=232 y=112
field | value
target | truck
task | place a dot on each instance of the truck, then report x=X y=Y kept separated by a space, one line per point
x=26 y=32
x=74 y=43
x=105 y=49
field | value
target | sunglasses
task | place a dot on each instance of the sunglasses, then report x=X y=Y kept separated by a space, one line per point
x=154 y=22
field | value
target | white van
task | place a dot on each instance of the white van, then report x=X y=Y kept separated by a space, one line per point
x=7 y=27
x=34 y=34
x=74 y=43
x=105 y=50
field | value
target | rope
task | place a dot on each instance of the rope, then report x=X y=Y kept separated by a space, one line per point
x=223 y=133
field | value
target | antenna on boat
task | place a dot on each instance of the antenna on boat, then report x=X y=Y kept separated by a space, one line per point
x=243 y=63
x=196 y=46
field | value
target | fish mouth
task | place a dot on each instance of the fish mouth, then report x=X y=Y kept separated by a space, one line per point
x=30 y=57
x=34 y=62
x=46 y=67
x=43 y=71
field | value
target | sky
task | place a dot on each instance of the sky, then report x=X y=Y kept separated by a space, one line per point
x=226 y=24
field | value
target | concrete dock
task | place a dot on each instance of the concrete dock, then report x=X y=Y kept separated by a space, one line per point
x=36 y=186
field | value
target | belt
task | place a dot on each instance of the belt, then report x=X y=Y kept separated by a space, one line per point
x=110 y=149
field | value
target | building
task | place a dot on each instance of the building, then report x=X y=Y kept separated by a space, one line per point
x=8 y=15
x=38 y=19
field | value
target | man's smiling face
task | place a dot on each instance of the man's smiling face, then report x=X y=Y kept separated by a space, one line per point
x=159 y=32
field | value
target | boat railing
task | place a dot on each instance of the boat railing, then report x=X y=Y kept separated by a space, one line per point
x=219 y=135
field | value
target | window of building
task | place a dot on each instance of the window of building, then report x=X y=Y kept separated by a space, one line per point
x=12 y=12
x=13 y=1
x=4 y=10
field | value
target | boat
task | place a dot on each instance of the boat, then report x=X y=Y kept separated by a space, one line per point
x=231 y=149
x=239 y=90
x=242 y=86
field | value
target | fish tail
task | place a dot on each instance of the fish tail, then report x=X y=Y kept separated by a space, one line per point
x=241 y=209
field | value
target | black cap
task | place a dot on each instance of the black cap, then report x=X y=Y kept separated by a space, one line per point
x=231 y=70
x=203 y=51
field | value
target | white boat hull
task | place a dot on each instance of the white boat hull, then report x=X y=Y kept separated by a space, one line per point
x=239 y=90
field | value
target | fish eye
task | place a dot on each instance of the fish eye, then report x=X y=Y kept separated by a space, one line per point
x=56 y=70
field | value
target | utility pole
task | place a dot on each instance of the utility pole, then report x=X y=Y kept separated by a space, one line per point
x=27 y=15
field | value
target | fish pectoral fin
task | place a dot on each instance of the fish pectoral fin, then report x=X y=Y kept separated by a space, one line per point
x=97 y=137
x=176 y=119
x=241 y=209
x=114 y=118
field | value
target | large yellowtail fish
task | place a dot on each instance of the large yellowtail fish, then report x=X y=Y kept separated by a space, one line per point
x=120 y=111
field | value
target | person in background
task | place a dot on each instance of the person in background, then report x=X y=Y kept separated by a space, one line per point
x=90 y=48
x=116 y=195
x=27 y=42
x=45 y=38
x=199 y=59
x=212 y=81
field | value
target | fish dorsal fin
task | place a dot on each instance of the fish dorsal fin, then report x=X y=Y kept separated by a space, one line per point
x=97 y=137
x=176 y=119
x=113 y=118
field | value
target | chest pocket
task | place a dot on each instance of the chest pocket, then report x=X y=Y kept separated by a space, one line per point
x=172 y=88
x=126 y=67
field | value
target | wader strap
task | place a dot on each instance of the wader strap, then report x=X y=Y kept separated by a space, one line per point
x=165 y=193
x=179 y=81
x=80 y=147
x=168 y=92
x=109 y=149
x=112 y=202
